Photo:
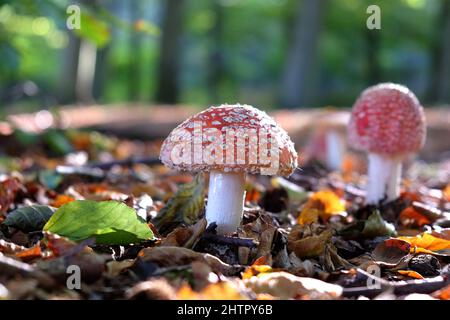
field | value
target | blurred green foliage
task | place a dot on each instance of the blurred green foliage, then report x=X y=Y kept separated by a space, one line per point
x=249 y=48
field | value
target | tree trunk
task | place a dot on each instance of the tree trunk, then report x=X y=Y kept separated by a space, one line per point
x=440 y=82
x=134 y=76
x=68 y=75
x=216 y=59
x=373 y=64
x=301 y=56
x=169 y=57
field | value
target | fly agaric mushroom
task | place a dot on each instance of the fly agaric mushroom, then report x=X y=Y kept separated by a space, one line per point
x=229 y=141
x=328 y=143
x=388 y=122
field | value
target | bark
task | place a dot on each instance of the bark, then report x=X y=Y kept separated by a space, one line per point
x=134 y=76
x=216 y=59
x=373 y=64
x=440 y=82
x=301 y=56
x=69 y=68
x=169 y=67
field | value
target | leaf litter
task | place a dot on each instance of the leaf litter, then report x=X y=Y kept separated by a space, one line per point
x=137 y=229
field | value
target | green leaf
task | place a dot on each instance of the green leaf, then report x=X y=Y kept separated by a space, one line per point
x=373 y=227
x=109 y=222
x=93 y=29
x=57 y=142
x=185 y=207
x=28 y=219
x=50 y=178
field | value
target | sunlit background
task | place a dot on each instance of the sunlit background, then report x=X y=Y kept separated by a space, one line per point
x=270 y=53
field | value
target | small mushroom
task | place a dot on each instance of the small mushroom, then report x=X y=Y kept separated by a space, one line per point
x=229 y=141
x=329 y=138
x=388 y=122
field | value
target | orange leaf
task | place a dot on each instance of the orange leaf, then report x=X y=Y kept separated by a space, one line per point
x=409 y=215
x=321 y=204
x=427 y=242
x=410 y=273
x=443 y=294
x=260 y=261
x=446 y=192
x=30 y=254
x=60 y=200
x=308 y=216
x=216 y=291
x=254 y=270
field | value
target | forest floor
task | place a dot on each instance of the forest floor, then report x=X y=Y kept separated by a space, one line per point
x=306 y=237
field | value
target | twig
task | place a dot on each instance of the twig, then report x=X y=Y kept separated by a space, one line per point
x=233 y=241
x=399 y=288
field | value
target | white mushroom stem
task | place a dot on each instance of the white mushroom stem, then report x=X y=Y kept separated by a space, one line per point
x=384 y=177
x=225 y=200
x=335 y=149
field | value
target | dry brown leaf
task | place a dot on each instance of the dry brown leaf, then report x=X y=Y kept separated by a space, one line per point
x=284 y=285
x=185 y=236
x=391 y=252
x=308 y=240
x=114 y=268
x=178 y=256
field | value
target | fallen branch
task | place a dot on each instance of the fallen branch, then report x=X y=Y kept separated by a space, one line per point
x=399 y=288
x=233 y=241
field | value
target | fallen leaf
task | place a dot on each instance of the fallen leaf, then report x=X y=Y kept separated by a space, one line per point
x=153 y=289
x=185 y=207
x=371 y=228
x=61 y=199
x=114 y=268
x=178 y=256
x=410 y=273
x=185 y=236
x=10 y=248
x=217 y=291
x=321 y=204
x=254 y=270
x=30 y=254
x=443 y=294
x=446 y=192
x=109 y=222
x=284 y=285
x=8 y=191
x=410 y=217
x=428 y=243
x=308 y=240
x=28 y=219
x=391 y=252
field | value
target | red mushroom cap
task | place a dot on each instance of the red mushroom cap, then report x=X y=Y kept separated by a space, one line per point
x=387 y=119
x=241 y=119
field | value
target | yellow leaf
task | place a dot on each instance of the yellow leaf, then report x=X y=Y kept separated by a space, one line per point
x=410 y=273
x=321 y=204
x=215 y=291
x=426 y=242
x=309 y=216
x=447 y=192
x=254 y=270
